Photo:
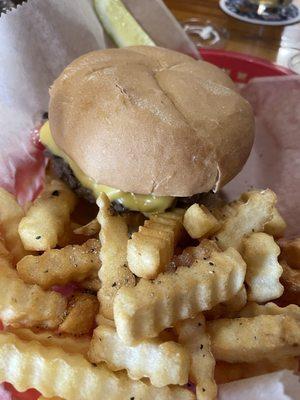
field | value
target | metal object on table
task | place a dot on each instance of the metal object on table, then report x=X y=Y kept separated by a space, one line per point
x=262 y=12
x=265 y=8
x=205 y=34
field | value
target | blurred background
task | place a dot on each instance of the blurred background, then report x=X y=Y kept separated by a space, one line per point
x=238 y=25
x=278 y=44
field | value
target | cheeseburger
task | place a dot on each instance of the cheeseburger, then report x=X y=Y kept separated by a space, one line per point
x=146 y=125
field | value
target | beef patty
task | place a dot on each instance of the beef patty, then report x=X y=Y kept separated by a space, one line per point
x=64 y=172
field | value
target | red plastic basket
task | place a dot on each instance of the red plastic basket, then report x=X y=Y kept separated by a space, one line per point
x=242 y=67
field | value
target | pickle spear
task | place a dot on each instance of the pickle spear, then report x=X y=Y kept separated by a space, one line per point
x=120 y=24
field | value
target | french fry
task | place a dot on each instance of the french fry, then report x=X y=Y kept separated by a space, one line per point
x=114 y=272
x=53 y=372
x=48 y=217
x=151 y=248
x=73 y=263
x=90 y=229
x=193 y=336
x=253 y=310
x=291 y=278
x=168 y=335
x=199 y=221
x=228 y=372
x=92 y=283
x=81 y=314
x=230 y=308
x=291 y=282
x=276 y=226
x=163 y=363
x=226 y=211
x=290 y=252
x=100 y=320
x=69 y=344
x=10 y=216
x=104 y=321
x=248 y=215
x=255 y=339
x=235 y=304
x=133 y=220
x=151 y=306
x=260 y=253
x=27 y=305
x=192 y=254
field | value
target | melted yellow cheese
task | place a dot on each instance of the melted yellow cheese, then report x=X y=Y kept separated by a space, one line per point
x=135 y=202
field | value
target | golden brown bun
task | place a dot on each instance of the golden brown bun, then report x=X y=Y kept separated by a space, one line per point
x=151 y=120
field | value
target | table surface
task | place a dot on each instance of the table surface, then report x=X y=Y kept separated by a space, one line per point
x=277 y=44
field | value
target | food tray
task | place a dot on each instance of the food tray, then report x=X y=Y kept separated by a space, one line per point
x=242 y=67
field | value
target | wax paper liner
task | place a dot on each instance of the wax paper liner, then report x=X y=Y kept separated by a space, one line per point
x=275 y=158
x=4 y=393
x=41 y=37
x=38 y=39
x=281 y=385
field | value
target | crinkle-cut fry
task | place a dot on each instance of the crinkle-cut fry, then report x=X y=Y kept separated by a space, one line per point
x=48 y=217
x=230 y=308
x=92 y=284
x=235 y=304
x=73 y=263
x=168 y=335
x=90 y=229
x=164 y=364
x=193 y=336
x=254 y=339
x=253 y=309
x=228 y=372
x=101 y=320
x=53 y=372
x=166 y=218
x=68 y=343
x=10 y=216
x=276 y=226
x=225 y=211
x=152 y=306
x=290 y=252
x=114 y=272
x=133 y=220
x=199 y=221
x=27 y=305
x=81 y=314
x=260 y=253
x=249 y=215
x=151 y=248
x=191 y=254
x=291 y=278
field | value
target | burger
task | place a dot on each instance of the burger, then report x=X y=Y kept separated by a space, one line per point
x=148 y=126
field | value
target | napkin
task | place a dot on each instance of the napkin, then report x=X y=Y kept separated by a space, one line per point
x=282 y=385
x=275 y=158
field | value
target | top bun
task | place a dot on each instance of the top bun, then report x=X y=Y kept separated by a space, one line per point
x=151 y=120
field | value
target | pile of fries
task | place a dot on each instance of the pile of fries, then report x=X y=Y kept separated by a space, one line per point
x=134 y=307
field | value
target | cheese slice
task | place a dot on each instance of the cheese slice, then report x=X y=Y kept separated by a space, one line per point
x=134 y=202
